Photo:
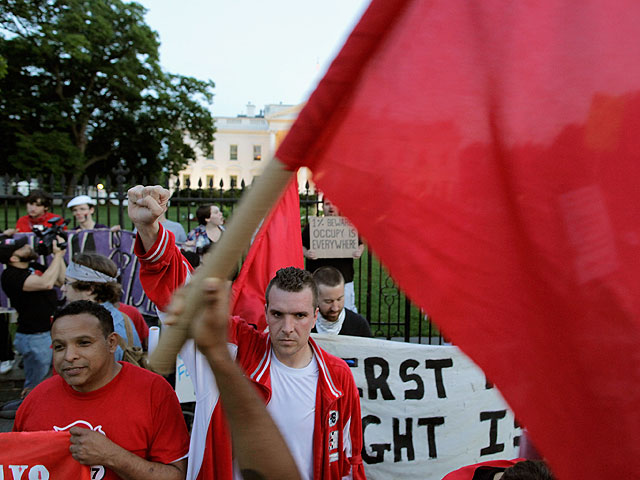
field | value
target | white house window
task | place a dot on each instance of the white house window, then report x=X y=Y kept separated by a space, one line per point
x=233 y=152
x=257 y=152
x=233 y=181
x=209 y=183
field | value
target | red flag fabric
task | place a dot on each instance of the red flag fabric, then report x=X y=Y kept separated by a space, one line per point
x=39 y=455
x=488 y=152
x=277 y=244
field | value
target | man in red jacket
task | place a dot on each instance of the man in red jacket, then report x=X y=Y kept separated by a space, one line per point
x=310 y=394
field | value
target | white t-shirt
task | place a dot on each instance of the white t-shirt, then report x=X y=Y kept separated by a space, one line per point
x=293 y=406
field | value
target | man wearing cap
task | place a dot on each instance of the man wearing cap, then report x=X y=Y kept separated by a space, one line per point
x=29 y=287
x=82 y=208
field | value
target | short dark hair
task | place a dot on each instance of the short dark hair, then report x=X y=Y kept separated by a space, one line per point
x=39 y=197
x=528 y=470
x=329 y=276
x=104 y=292
x=203 y=213
x=92 y=308
x=292 y=279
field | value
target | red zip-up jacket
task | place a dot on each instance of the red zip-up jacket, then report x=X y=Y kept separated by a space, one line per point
x=338 y=427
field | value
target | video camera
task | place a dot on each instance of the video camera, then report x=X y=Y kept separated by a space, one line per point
x=45 y=237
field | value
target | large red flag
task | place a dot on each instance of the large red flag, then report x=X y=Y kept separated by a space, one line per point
x=489 y=153
x=277 y=244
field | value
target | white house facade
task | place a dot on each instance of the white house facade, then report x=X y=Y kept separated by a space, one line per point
x=241 y=148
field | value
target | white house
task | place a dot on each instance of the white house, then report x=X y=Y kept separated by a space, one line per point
x=241 y=148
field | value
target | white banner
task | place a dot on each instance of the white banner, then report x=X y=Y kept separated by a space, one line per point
x=426 y=410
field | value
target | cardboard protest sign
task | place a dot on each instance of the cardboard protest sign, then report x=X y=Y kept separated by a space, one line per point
x=332 y=237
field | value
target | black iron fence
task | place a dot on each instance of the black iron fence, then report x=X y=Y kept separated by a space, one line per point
x=378 y=299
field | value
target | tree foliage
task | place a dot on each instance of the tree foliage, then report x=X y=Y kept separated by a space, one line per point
x=84 y=91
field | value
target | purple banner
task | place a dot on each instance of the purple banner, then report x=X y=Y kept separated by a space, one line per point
x=118 y=246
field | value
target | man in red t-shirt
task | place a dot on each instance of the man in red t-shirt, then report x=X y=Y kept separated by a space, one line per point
x=38 y=204
x=124 y=421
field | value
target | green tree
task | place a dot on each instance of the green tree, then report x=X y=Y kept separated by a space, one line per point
x=84 y=91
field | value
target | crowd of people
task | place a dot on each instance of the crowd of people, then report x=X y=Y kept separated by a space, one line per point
x=269 y=404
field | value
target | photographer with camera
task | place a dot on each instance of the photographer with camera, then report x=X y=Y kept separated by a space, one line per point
x=30 y=288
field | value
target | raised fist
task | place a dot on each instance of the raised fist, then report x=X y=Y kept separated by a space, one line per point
x=146 y=204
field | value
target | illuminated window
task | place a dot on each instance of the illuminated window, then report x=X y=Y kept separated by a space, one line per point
x=233 y=181
x=209 y=183
x=257 y=152
x=185 y=180
x=233 y=152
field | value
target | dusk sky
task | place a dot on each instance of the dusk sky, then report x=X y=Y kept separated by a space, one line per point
x=254 y=50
